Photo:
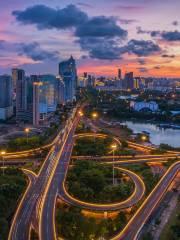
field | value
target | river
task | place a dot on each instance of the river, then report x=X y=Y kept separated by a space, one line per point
x=157 y=135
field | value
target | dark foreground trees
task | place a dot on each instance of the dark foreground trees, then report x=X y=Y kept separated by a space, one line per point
x=12 y=185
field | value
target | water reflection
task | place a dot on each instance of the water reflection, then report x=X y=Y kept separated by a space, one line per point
x=157 y=135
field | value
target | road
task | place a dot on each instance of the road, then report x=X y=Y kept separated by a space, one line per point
x=28 y=210
x=39 y=199
x=127 y=159
x=123 y=160
x=134 y=226
x=139 y=190
x=47 y=219
x=23 y=218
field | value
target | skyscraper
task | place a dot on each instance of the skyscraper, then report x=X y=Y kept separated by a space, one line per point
x=6 y=108
x=14 y=78
x=36 y=112
x=44 y=96
x=60 y=90
x=129 y=80
x=119 y=74
x=21 y=96
x=67 y=70
x=48 y=89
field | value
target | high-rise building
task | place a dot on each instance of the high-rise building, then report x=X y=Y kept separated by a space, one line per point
x=91 y=81
x=85 y=75
x=137 y=82
x=21 y=96
x=14 y=78
x=119 y=74
x=6 y=107
x=129 y=80
x=67 y=71
x=60 y=91
x=49 y=90
x=82 y=82
x=47 y=94
x=36 y=112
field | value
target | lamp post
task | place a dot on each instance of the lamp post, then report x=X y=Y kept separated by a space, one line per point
x=27 y=134
x=94 y=116
x=114 y=147
x=81 y=114
x=144 y=138
x=2 y=154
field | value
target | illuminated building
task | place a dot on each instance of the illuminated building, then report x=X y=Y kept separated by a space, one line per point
x=6 y=108
x=21 y=96
x=36 y=113
x=67 y=71
x=129 y=80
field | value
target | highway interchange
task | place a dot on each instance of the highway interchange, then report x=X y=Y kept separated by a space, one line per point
x=37 y=207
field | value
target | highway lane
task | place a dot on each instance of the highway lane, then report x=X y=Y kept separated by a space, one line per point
x=140 y=161
x=21 y=216
x=20 y=227
x=118 y=159
x=31 y=175
x=24 y=216
x=47 y=218
x=34 y=151
x=134 y=226
x=126 y=158
x=139 y=190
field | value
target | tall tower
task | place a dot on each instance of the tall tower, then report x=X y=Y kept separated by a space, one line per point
x=21 y=95
x=129 y=80
x=119 y=74
x=36 y=113
x=6 y=107
x=68 y=72
x=60 y=90
x=14 y=78
x=5 y=91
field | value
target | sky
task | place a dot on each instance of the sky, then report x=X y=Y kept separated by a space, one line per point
x=135 y=35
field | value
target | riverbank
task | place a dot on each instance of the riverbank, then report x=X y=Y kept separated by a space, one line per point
x=157 y=135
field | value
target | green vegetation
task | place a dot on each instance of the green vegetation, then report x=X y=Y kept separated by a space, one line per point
x=163 y=148
x=172 y=228
x=145 y=172
x=166 y=147
x=120 y=108
x=34 y=235
x=98 y=146
x=20 y=144
x=81 y=128
x=147 y=236
x=12 y=185
x=92 y=146
x=72 y=224
x=170 y=162
x=92 y=182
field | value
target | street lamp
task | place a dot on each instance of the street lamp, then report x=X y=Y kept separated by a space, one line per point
x=144 y=137
x=81 y=114
x=27 y=134
x=94 y=115
x=114 y=147
x=2 y=154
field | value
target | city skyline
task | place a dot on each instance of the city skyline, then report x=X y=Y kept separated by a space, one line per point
x=138 y=36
